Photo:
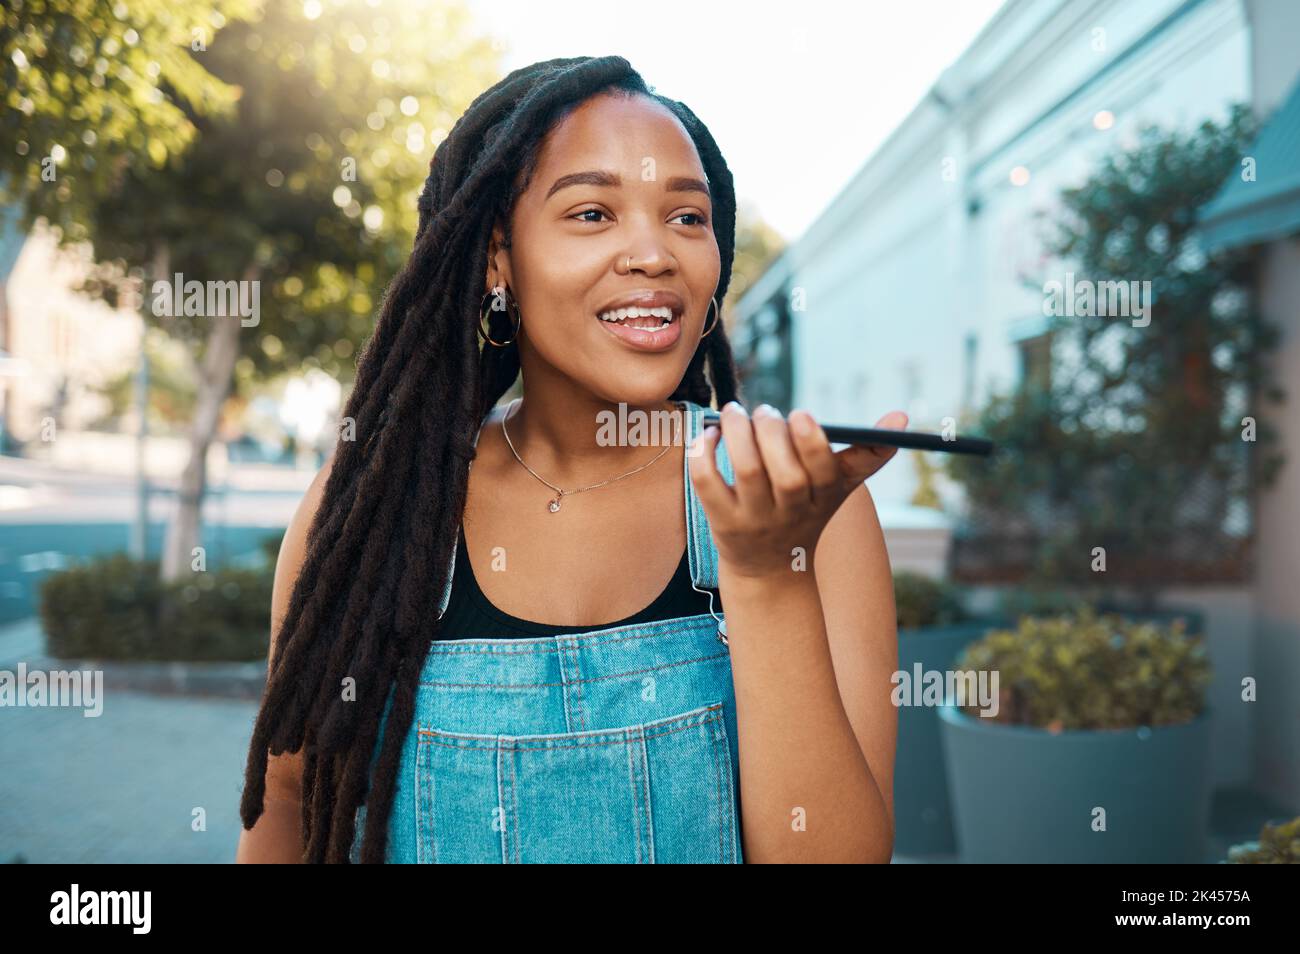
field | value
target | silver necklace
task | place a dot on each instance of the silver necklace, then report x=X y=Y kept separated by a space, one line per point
x=554 y=504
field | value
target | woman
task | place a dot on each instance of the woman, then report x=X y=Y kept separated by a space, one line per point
x=471 y=664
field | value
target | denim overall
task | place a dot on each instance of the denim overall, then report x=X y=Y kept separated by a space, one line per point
x=614 y=745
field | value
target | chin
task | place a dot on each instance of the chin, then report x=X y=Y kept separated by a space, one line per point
x=641 y=395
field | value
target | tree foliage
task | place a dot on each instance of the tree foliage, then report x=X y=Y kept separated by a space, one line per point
x=93 y=88
x=1137 y=443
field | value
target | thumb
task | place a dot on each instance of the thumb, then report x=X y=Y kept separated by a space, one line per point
x=894 y=420
x=861 y=461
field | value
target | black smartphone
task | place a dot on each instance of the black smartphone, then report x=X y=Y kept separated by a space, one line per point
x=910 y=440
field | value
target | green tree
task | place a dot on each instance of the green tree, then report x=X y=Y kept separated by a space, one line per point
x=304 y=196
x=926 y=494
x=96 y=87
x=757 y=246
x=1135 y=444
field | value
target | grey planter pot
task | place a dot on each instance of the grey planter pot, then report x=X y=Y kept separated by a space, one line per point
x=922 y=815
x=1025 y=795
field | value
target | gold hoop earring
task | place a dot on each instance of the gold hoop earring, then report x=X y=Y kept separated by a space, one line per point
x=510 y=300
x=717 y=313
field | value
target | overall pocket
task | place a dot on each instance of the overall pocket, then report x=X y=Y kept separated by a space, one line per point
x=662 y=791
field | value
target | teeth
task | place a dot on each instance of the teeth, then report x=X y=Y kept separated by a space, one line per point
x=621 y=314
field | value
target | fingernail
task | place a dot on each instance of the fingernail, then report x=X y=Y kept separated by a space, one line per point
x=801 y=423
x=735 y=406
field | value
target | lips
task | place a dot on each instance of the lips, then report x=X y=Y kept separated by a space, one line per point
x=644 y=340
x=656 y=336
x=646 y=298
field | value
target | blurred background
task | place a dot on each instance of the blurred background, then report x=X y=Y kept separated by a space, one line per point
x=914 y=179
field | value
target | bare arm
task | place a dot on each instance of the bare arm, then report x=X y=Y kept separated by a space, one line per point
x=812 y=647
x=813 y=653
x=277 y=835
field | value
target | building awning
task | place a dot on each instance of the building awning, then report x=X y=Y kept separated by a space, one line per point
x=1268 y=208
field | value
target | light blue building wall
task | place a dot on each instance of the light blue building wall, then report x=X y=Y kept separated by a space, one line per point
x=921 y=283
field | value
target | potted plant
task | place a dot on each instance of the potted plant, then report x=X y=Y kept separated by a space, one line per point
x=1278 y=844
x=933 y=627
x=1097 y=749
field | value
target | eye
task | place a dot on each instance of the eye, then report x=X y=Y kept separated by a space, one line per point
x=697 y=215
x=588 y=212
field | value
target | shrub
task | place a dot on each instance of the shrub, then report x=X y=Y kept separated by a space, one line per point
x=1277 y=845
x=1084 y=671
x=924 y=601
x=110 y=607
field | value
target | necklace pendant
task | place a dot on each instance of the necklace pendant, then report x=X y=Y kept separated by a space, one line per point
x=554 y=505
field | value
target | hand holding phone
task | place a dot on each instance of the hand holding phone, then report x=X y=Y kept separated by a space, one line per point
x=909 y=440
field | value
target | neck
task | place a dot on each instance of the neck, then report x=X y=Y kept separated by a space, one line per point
x=576 y=438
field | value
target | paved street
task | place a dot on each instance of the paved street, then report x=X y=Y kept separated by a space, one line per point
x=123 y=787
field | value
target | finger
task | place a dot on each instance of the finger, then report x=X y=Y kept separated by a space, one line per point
x=753 y=490
x=790 y=483
x=815 y=452
x=702 y=464
x=857 y=463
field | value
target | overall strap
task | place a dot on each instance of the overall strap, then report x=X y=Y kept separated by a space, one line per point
x=701 y=552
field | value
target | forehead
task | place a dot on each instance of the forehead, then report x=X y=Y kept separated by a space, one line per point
x=617 y=133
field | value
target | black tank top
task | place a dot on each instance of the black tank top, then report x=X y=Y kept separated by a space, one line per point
x=470 y=615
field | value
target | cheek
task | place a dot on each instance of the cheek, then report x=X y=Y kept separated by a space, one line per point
x=556 y=309
x=557 y=287
x=703 y=269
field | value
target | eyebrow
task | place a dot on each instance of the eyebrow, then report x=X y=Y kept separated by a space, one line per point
x=599 y=177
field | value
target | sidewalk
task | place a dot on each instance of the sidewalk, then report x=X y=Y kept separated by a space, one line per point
x=140 y=782
x=131 y=785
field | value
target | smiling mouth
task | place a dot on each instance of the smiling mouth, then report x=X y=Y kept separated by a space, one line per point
x=643 y=319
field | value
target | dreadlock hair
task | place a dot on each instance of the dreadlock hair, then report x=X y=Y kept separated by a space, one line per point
x=380 y=545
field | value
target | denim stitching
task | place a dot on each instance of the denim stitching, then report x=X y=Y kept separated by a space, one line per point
x=733 y=835
x=631 y=780
x=514 y=803
x=432 y=738
x=425 y=779
x=561 y=685
x=645 y=787
x=530 y=645
x=695 y=716
x=717 y=782
x=577 y=671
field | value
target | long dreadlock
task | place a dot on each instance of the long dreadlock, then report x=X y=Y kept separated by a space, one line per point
x=379 y=546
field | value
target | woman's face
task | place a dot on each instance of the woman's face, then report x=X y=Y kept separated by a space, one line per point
x=617 y=177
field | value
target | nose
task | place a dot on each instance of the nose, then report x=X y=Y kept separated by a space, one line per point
x=651 y=262
x=649 y=255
